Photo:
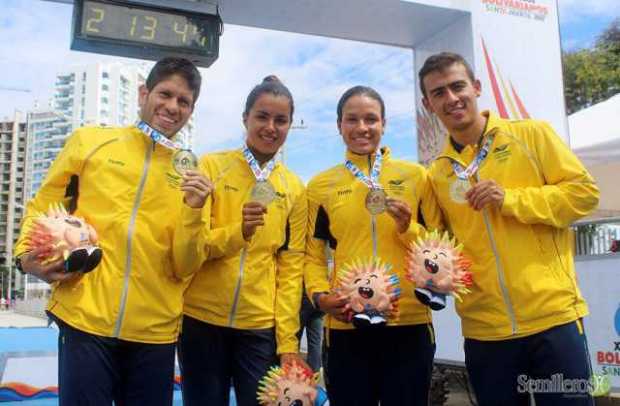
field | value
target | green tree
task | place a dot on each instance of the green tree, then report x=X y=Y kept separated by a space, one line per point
x=593 y=75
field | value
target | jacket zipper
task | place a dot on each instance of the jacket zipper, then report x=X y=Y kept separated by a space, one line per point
x=500 y=269
x=373 y=221
x=130 y=230
x=233 y=310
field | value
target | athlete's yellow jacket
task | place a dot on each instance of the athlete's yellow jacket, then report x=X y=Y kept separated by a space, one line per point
x=337 y=215
x=251 y=285
x=523 y=272
x=124 y=185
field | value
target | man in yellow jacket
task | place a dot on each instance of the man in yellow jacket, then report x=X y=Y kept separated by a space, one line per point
x=508 y=191
x=118 y=323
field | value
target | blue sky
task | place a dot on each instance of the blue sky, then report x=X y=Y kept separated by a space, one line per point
x=35 y=46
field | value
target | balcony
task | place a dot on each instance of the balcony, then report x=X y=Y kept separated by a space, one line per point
x=597 y=237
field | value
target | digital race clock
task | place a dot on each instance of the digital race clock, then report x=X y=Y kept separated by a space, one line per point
x=148 y=29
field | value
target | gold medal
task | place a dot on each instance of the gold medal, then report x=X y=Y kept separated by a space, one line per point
x=458 y=188
x=376 y=201
x=263 y=193
x=184 y=160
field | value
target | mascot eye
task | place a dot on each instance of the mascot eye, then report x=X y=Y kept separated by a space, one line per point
x=373 y=276
x=73 y=222
x=357 y=280
x=426 y=251
x=444 y=254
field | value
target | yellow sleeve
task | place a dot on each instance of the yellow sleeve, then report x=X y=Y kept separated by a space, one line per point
x=290 y=263
x=568 y=194
x=315 y=267
x=428 y=206
x=67 y=164
x=196 y=242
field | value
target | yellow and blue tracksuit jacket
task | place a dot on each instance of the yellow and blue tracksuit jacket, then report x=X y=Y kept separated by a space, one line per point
x=523 y=271
x=337 y=215
x=124 y=185
x=247 y=285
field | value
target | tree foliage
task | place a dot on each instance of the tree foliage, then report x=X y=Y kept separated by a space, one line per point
x=593 y=75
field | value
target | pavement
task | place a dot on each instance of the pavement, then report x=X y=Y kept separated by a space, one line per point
x=8 y=318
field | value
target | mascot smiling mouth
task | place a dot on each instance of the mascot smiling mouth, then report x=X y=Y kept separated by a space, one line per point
x=431 y=266
x=366 y=293
x=297 y=402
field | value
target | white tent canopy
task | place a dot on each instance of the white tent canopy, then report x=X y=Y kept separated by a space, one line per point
x=595 y=132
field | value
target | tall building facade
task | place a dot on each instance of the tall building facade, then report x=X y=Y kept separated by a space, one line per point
x=47 y=132
x=99 y=94
x=104 y=95
x=13 y=150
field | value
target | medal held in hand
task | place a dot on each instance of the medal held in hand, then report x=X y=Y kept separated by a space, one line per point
x=376 y=201
x=184 y=160
x=263 y=192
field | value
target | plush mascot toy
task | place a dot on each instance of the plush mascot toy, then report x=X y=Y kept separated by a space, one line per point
x=372 y=290
x=291 y=385
x=438 y=268
x=69 y=237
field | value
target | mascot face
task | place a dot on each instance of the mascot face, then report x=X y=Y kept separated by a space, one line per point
x=290 y=385
x=436 y=260
x=62 y=231
x=436 y=263
x=71 y=229
x=368 y=287
x=294 y=394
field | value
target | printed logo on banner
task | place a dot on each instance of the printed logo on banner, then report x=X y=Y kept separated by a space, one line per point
x=617 y=321
x=608 y=359
x=530 y=9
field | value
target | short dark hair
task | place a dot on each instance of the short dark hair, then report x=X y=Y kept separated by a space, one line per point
x=272 y=85
x=357 y=91
x=166 y=67
x=441 y=61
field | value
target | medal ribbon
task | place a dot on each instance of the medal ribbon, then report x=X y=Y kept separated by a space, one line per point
x=260 y=174
x=373 y=181
x=465 y=173
x=158 y=137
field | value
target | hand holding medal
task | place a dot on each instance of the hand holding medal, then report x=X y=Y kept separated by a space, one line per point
x=400 y=212
x=252 y=214
x=195 y=185
x=197 y=188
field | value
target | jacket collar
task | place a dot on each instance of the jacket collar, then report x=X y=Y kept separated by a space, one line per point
x=361 y=161
x=494 y=123
x=238 y=153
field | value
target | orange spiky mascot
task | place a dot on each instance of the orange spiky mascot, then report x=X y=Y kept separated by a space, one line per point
x=373 y=292
x=69 y=237
x=438 y=268
x=291 y=385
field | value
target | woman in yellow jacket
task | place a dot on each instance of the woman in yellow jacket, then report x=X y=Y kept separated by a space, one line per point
x=392 y=364
x=242 y=307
